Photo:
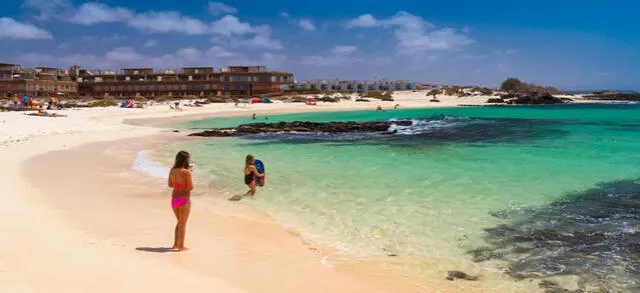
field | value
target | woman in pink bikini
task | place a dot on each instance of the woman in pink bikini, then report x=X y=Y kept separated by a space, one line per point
x=180 y=181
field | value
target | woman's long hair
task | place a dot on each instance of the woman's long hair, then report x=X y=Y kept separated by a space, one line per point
x=182 y=160
x=248 y=160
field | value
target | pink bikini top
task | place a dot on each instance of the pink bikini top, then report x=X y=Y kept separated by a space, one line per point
x=179 y=185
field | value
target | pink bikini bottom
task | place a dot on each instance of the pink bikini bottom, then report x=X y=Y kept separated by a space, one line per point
x=178 y=201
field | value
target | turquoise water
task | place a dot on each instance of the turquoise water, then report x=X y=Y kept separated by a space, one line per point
x=439 y=187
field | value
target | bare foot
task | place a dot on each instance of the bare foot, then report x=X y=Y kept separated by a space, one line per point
x=175 y=248
x=183 y=249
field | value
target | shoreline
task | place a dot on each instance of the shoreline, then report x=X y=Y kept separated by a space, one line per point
x=42 y=238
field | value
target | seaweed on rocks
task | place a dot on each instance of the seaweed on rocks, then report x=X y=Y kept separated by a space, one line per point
x=593 y=234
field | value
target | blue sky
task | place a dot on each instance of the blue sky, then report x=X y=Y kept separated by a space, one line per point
x=569 y=44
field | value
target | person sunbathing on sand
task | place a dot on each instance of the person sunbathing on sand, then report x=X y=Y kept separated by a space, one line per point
x=43 y=113
x=250 y=173
x=182 y=184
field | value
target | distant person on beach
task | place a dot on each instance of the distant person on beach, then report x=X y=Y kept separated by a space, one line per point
x=182 y=184
x=16 y=101
x=254 y=116
x=250 y=173
x=25 y=101
x=396 y=106
x=379 y=109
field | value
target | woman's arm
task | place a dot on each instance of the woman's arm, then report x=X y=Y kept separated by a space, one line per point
x=188 y=179
x=170 y=183
x=255 y=172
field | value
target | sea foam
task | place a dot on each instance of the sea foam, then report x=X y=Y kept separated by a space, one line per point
x=144 y=164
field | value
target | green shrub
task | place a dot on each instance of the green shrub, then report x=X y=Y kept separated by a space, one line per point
x=515 y=85
x=434 y=92
x=103 y=103
x=483 y=90
x=378 y=95
x=454 y=91
x=512 y=84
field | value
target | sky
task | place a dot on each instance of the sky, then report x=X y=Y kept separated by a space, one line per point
x=570 y=44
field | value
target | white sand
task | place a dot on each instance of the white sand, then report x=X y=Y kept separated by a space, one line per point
x=41 y=252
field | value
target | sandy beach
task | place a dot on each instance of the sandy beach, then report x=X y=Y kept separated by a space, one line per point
x=78 y=218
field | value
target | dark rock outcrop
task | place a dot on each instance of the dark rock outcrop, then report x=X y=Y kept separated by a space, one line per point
x=615 y=96
x=495 y=100
x=532 y=99
x=299 y=126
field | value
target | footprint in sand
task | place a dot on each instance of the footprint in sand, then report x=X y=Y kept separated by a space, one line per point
x=237 y=197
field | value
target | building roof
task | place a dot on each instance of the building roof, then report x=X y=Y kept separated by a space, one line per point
x=137 y=68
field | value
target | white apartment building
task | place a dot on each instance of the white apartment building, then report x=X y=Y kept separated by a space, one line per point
x=356 y=85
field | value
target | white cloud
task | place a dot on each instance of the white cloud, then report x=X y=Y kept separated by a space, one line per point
x=257 y=42
x=218 y=8
x=230 y=25
x=340 y=55
x=114 y=37
x=307 y=25
x=360 y=36
x=124 y=57
x=413 y=41
x=92 y=13
x=414 y=34
x=333 y=60
x=235 y=31
x=48 y=8
x=365 y=20
x=12 y=29
x=151 y=21
x=189 y=54
x=123 y=54
x=304 y=23
x=219 y=52
x=343 y=50
x=150 y=43
x=165 y=22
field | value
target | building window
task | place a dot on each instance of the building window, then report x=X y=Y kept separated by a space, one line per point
x=240 y=78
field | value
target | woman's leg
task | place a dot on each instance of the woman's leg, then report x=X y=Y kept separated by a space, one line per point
x=177 y=212
x=185 y=210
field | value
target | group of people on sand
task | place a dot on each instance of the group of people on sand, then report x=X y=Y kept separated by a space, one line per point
x=379 y=108
x=181 y=181
x=254 y=117
x=27 y=102
x=43 y=113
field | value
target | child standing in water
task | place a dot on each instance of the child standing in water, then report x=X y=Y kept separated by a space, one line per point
x=182 y=184
x=250 y=174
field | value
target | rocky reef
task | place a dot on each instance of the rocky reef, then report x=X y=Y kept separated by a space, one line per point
x=615 y=96
x=300 y=126
x=593 y=235
x=529 y=99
